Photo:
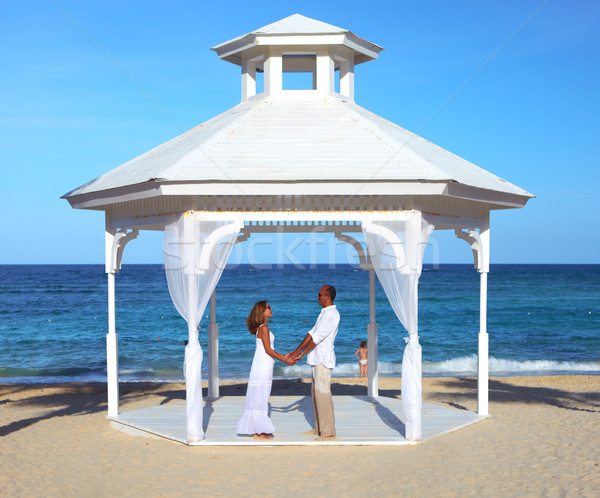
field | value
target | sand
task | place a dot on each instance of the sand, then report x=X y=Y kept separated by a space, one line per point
x=541 y=440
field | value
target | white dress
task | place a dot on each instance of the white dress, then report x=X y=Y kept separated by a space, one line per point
x=255 y=419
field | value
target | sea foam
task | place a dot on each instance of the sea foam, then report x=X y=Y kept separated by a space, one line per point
x=460 y=366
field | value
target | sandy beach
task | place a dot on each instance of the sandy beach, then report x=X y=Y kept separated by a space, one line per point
x=541 y=440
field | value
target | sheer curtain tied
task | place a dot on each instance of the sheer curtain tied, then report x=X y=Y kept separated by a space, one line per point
x=396 y=250
x=196 y=252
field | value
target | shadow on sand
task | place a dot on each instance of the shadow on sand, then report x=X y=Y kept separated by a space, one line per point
x=59 y=400
x=461 y=390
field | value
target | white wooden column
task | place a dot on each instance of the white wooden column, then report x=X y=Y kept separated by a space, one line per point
x=213 y=350
x=347 y=78
x=480 y=245
x=112 y=352
x=372 y=327
x=483 y=339
x=325 y=73
x=482 y=350
x=372 y=342
x=114 y=244
x=248 y=79
x=273 y=72
x=112 y=348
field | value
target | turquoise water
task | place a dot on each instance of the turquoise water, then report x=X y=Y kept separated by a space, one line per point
x=53 y=320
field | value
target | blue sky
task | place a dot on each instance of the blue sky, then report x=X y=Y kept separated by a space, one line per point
x=511 y=86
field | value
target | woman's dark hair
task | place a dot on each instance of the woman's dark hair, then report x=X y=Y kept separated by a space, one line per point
x=363 y=344
x=256 y=316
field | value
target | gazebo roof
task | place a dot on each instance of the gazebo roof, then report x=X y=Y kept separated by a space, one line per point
x=307 y=31
x=297 y=136
x=290 y=149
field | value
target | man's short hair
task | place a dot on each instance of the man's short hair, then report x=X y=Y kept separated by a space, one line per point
x=330 y=289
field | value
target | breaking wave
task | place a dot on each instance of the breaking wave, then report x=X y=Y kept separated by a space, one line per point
x=461 y=366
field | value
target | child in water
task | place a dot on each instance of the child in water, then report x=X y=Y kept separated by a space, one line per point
x=361 y=354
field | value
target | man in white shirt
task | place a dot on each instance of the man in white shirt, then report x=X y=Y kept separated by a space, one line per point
x=318 y=343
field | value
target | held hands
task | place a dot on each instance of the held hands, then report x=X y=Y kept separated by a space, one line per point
x=293 y=357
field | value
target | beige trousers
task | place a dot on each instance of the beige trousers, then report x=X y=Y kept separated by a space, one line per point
x=322 y=400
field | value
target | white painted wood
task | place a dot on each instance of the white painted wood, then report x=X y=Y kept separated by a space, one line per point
x=300 y=40
x=112 y=352
x=472 y=238
x=347 y=79
x=372 y=342
x=109 y=238
x=305 y=189
x=273 y=73
x=306 y=216
x=173 y=198
x=480 y=246
x=112 y=356
x=484 y=235
x=359 y=420
x=248 y=80
x=365 y=51
x=148 y=212
x=158 y=223
x=115 y=242
x=296 y=30
x=213 y=350
x=325 y=73
x=297 y=23
x=342 y=237
x=352 y=152
x=483 y=339
x=119 y=240
x=482 y=356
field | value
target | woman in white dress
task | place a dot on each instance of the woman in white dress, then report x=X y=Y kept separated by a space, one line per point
x=255 y=419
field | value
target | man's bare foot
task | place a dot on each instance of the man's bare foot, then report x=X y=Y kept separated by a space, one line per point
x=312 y=432
x=325 y=438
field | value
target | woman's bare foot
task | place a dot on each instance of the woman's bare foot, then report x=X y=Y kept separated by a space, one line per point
x=263 y=436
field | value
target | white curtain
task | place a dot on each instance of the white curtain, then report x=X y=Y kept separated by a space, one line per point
x=396 y=249
x=196 y=252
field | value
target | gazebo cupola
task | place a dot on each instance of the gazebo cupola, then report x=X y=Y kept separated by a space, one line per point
x=298 y=44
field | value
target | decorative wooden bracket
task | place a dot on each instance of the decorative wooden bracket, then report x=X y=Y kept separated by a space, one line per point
x=473 y=238
x=120 y=240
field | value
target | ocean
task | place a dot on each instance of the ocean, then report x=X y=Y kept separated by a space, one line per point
x=542 y=319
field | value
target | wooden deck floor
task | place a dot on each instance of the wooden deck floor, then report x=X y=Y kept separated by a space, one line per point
x=359 y=421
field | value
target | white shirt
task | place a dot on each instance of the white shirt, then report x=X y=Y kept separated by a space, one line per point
x=323 y=335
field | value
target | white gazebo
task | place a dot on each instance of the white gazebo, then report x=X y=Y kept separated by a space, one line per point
x=303 y=161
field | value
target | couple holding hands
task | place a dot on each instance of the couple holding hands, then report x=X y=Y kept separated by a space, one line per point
x=317 y=346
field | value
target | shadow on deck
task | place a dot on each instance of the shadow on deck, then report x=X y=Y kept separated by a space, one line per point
x=360 y=420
